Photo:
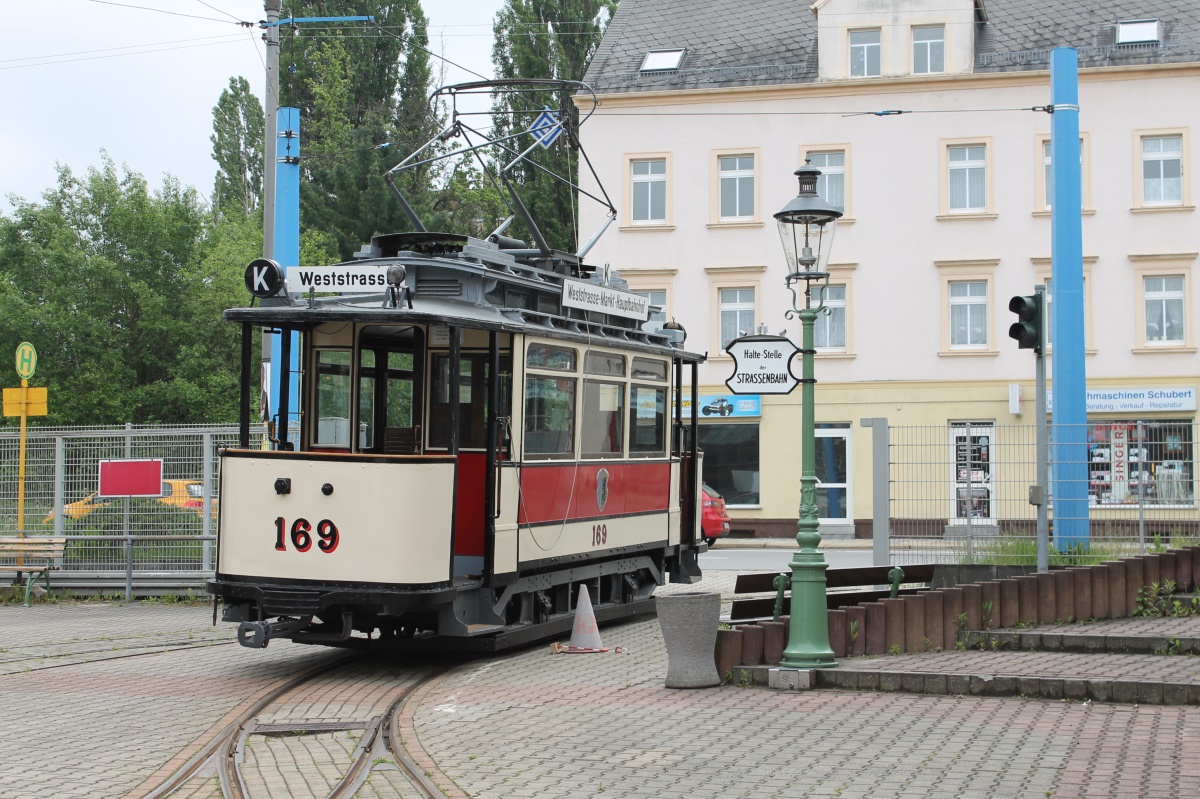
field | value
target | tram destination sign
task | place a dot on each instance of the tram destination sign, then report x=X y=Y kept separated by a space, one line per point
x=339 y=279
x=762 y=365
x=602 y=299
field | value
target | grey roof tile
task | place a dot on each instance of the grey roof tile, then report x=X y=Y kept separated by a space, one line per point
x=765 y=42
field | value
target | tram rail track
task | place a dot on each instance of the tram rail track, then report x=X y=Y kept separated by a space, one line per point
x=226 y=753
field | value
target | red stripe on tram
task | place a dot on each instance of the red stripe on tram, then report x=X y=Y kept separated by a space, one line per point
x=554 y=493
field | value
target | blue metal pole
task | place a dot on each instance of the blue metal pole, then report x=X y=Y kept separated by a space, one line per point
x=287 y=253
x=1070 y=483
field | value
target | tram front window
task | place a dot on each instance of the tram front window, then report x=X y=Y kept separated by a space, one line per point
x=385 y=400
x=333 y=398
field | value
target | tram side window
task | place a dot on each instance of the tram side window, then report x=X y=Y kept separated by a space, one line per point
x=647 y=421
x=549 y=416
x=333 y=398
x=603 y=419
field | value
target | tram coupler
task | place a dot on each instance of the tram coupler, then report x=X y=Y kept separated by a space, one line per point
x=257 y=634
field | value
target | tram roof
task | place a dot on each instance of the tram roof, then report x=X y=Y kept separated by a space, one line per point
x=375 y=309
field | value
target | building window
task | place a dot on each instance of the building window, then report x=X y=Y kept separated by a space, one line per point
x=658 y=318
x=737 y=314
x=649 y=191
x=929 y=49
x=968 y=179
x=1162 y=170
x=831 y=183
x=1132 y=462
x=864 y=53
x=737 y=187
x=731 y=461
x=968 y=314
x=830 y=330
x=1163 y=297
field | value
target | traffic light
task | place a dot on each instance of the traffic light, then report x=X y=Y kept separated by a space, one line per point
x=1028 y=331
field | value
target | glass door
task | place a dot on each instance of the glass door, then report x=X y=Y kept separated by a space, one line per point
x=974 y=487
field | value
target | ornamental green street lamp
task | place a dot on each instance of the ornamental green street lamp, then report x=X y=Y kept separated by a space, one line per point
x=806 y=228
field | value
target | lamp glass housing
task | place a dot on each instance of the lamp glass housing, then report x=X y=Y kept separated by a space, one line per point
x=807 y=242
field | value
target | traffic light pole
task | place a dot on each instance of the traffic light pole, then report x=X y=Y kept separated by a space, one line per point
x=1043 y=446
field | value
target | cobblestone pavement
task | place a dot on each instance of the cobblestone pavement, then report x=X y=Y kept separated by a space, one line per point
x=532 y=724
x=536 y=724
x=74 y=728
x=1176 y=669
x=1180 y=627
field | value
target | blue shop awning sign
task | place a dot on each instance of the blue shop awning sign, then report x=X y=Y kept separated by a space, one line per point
x=725 y=406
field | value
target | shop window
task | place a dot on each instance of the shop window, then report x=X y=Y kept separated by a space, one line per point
x=731 y=459
x=1131 y=463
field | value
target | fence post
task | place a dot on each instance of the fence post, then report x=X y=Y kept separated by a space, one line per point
x=60 y=459
x=125 y=524
x=881 y=490
x=206 y=502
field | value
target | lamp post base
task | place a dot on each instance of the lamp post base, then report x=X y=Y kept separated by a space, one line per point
x=808 y=639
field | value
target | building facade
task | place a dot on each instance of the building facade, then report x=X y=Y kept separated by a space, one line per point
x=927 y=121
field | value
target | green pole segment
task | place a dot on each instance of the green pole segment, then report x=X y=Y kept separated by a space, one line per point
x=808 y=639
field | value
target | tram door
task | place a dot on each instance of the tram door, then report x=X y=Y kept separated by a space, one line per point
x=389 y=393
x=469 y=389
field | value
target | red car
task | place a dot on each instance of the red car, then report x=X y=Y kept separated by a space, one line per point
x=714 y=521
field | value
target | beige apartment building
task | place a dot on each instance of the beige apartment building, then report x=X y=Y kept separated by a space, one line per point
x=924 y=117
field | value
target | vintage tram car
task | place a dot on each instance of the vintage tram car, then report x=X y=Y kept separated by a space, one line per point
x=485 y=427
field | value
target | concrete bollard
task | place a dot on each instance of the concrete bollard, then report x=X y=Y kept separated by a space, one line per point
x=952 y=604
x=1010 y=608
x=972 y=602
x=989 y=605
x=876 y=633
x=1134 y=580
x=1099 y=591
x=1081 y=590
x=752 y=644
x=774 y=641
x=856 y=628
x=1047 y=602
x=935 y=619
x=893 y=635
x=1117 y=604
x=837 y=632
x=1064 y=596
x=1027 y=598
x=914 y=623
x=1183 y=569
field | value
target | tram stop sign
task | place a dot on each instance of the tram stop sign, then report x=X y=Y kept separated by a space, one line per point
x=762 y=365
x=26 y=360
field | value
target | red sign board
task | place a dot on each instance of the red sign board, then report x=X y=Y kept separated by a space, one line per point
x=131 y=478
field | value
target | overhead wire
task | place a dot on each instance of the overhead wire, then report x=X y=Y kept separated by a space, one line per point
x=171 y=13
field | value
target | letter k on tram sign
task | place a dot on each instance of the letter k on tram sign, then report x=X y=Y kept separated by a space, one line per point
x=762 y=365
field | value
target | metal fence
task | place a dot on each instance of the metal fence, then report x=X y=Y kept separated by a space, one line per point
x=961 y=493
x=156 y=538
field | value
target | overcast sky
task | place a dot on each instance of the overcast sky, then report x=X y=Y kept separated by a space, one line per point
x=79 y=76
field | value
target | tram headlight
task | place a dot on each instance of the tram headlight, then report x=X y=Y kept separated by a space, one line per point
x=395 y=275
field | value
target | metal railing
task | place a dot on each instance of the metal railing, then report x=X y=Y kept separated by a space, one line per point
x=961 y=493
x=165 y=541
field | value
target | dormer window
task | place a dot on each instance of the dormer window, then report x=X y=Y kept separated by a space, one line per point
x=1139 y=31
x=662 y=60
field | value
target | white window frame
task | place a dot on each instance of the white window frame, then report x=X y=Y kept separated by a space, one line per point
x=865 y=50
x=975 y=303
x=828 y=173
x=1160 y=158
x=1161 y=298
x=736 y=306
x=1164 y=265
x=848 y=486
x=978 y=271
x=824 y=321
x=1141 y=158
x=972 y=171
x=927 y=46
x=653 y=325
x=628 y=223
x=733 y=179
x=647 y=180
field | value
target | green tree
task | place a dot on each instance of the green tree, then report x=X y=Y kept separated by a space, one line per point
x=359 y=86
x=237 y=141
x=122 y=290
x=547 y=39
